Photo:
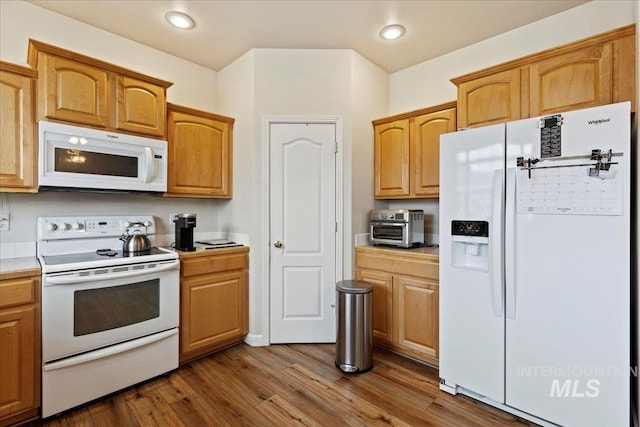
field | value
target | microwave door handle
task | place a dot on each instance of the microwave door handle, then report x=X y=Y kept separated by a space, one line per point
x=148 y=164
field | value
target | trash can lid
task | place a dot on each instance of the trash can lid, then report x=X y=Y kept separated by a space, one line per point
x=354 y=287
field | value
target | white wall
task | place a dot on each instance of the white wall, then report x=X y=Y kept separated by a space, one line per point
x=236 y=99
x=238 y=215
x=287 y=82
x=428 y=83
x=369 y=101
x=194 y=86
x=293 y=82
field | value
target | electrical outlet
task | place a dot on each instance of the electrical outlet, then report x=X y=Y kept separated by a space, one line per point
x=4 y=222
x=171 y=216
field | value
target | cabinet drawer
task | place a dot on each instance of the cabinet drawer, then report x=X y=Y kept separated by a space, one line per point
x=213 y=264
x=18 y=291
x=427 y=269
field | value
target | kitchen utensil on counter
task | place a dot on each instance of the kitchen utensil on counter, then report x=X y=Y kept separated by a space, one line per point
x=185 y=223
x=135 y=241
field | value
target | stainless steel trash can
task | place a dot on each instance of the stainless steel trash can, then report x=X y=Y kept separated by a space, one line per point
x=354 y=342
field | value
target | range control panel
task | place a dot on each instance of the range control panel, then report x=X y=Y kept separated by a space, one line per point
x=470 y=228
x=73 y=227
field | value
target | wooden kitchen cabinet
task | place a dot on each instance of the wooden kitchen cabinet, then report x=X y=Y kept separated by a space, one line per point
x=72 y=91
x=574 y=80
x=382 y=309
x=391 y=159
x=83 y=90
x=425 y=149
x=18 y=136
x=19 y=349
x=407 y=152
x=416 y=302
x=595 y=71
x=490 y=99
x=405 y=298
x=214 y=305
x=200 y=163
x=140 y=106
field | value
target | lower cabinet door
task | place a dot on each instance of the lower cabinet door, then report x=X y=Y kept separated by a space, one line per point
x=382 y=303
x=417 y=315
x=17 y=364
x=214 y=312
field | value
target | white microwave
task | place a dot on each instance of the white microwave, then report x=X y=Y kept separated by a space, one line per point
x=84 y=158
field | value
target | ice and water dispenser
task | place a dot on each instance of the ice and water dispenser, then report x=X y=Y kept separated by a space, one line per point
x=470 y=244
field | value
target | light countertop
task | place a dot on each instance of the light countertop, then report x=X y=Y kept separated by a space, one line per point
x=13 y=268
x=202 y=250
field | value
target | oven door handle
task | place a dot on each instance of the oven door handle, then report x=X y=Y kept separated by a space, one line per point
x=109 y=351
x=62 y=280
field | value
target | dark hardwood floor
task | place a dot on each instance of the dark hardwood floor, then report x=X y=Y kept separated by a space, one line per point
x=290 y=385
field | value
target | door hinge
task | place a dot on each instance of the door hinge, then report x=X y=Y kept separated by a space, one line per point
x=336 y=226
x=336 y=147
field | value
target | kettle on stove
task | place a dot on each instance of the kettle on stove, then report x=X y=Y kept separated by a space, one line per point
x=136 y=241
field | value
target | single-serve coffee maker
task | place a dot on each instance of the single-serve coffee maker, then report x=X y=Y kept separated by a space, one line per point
x=185 y=223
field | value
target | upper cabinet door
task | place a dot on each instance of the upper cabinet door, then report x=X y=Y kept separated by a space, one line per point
x=490 y=99
x=76 y=88
x=73 y=91
x=18 y=142
x=425 y=157
x=140 y=106
x=391 y=159
x=572 y=81
x=200 y=154
x=594 y=71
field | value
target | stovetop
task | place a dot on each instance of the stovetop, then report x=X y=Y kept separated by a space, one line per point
x=100 y=255
x=88 y=242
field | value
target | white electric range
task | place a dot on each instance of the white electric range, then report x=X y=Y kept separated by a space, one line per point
x=109 y=317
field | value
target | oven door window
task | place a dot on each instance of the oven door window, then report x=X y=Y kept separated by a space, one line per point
x=93 y=163
x=389 y=232
x=97 y=310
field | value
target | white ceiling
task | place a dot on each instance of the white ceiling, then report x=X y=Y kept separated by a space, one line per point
x=226 y=29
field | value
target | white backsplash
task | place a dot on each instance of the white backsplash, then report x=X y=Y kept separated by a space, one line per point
x=17 y=250
x=431 y=208
x=362 y=239
x=169 y=239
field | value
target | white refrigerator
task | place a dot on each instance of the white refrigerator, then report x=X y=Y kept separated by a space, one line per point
x=535 y=266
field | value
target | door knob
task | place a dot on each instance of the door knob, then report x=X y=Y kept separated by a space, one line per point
x=277 y=244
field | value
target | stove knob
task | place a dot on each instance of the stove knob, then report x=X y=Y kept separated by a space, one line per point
x=65 y=226
x=76 y=226
x=51 y=226
x=147 y=223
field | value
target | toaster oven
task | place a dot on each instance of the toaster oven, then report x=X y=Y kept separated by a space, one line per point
x=403 y=228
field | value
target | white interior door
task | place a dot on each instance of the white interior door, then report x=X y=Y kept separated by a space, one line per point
x=302 y=232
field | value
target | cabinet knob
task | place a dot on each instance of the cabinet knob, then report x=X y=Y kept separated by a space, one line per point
x=277 y=244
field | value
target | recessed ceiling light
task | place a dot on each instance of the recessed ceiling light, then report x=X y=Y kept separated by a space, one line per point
x=392 y=32
x=180 y=20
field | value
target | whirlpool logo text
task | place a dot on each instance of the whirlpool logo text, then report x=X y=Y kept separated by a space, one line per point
x=599 y=121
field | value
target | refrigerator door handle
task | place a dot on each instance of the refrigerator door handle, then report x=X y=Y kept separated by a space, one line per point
x=496 y=245
x=509 y=245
